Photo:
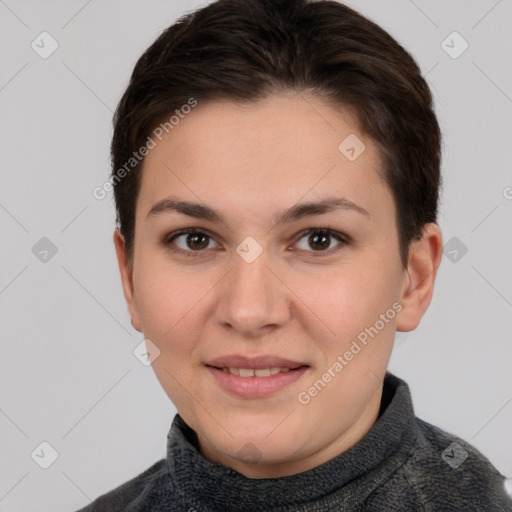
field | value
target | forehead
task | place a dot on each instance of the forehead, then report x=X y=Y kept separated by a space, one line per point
x=275 y=150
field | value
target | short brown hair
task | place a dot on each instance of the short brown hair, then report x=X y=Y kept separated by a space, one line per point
x=244 y=50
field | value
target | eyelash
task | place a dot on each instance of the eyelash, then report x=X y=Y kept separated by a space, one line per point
x=340 y=237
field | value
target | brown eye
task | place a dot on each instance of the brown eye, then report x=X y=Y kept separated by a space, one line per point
x=190 y=241
x=321 y=241
x=197 y=241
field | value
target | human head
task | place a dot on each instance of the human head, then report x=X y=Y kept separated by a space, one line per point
x=245 y=50
x=251 y=146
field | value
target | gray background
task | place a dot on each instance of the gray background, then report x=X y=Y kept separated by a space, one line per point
x=68 y=375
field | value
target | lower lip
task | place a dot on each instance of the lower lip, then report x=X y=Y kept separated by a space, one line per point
x=255 y=387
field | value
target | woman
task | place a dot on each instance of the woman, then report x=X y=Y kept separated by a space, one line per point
x=276 y=171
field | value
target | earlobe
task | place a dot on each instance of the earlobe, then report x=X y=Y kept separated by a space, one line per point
x=126 y=273
x=419 y=277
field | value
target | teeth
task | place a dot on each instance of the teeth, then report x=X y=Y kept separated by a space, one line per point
x=260 y=372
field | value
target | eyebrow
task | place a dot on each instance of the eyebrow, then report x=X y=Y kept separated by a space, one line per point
x=293 y=214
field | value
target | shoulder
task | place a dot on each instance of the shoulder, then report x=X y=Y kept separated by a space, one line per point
x=135 y=495
x=445 y=473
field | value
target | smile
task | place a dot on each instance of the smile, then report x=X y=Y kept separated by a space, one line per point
x=255 y=382
x=258 y=372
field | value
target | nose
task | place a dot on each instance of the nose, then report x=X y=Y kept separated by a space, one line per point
x=252 y=300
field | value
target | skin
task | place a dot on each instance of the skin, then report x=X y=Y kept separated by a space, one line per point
x=250 y=162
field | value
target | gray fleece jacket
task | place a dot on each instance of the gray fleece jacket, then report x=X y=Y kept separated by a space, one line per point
x=403 y=464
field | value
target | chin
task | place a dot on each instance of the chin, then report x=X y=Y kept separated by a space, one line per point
x=262 y=446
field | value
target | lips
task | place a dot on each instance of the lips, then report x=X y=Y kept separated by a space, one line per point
x=258 y=372
x=254 y=363
x=255 y=377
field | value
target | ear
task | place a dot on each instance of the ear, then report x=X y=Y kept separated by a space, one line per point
x=126 y=271
x=419 y=277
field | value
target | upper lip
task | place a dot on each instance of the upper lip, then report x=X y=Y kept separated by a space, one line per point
x=258 y=362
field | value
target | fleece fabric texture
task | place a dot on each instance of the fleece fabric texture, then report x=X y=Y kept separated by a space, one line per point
x=403 y=464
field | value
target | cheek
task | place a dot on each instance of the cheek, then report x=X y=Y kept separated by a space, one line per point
x=347 y=299
x=173 y=317
x=169 y=300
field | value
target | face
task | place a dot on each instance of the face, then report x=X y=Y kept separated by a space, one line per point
x=266 y=272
